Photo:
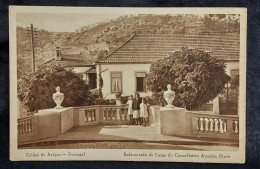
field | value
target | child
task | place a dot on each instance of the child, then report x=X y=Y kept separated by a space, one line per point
x=144 y=112
x=130 y=109
x=136 y=108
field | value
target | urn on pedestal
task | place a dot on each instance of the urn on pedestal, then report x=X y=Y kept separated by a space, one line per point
x=173 y=120
x=58 y=98
x=169 y=96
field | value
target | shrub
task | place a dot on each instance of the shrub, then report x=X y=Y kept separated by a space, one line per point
x=156 y=99
x=195 y=76
x=124 y=99
x=97 y=99
x=35 y=90
x=118 y=95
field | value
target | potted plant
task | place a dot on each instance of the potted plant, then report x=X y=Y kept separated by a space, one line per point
x=118 y=98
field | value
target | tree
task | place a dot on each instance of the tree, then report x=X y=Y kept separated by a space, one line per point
x=195 y=76
x=35 y=90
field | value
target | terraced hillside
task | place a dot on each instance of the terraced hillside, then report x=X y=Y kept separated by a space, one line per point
x=97 y=40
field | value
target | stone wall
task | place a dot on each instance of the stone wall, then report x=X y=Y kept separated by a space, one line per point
x=49 y=123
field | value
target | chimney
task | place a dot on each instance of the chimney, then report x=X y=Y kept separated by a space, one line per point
x=58 y=54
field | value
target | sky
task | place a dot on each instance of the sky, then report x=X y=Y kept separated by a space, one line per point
x=56 y=19
x=61 y=22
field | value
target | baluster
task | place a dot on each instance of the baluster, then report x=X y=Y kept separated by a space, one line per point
x=221 y=126
x=28 y=125
x=198 y=125
x=211 y=125
x=233 y=126
x=86 y=115
x=126 y=111
x=93 y=114
x=201 y=124
x=118 y=114
x=105 y=114
x=89 y=115
x=109 y=112
x=206 y=124
x=236 y=126
x=20 y=127
x=31 y=125
x=216 y=125
x=225 y=126
x=123 y=114
x=112 y=114
x=23 y=124
x=25 y=129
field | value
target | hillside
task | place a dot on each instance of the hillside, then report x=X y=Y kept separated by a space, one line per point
x=97 y=40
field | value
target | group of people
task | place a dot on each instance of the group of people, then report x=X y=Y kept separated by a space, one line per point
x=137 y=110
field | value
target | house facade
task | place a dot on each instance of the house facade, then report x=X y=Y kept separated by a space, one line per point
x=125 y=69
x=78 y=63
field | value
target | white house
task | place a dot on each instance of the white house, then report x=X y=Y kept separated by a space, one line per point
x=78 y=63
x=125 y=68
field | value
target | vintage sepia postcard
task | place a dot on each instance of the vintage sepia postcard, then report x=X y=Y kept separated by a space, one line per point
x=127 y=84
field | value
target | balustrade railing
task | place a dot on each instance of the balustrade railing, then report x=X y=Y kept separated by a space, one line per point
x=99 y=113
x=90 y=115
x=25 y=125
x=207 y=123
x=115 y=114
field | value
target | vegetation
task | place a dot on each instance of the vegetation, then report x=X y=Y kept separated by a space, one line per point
x=195 y=76
x=96 y=98
x=35 y=90
x=118 y=95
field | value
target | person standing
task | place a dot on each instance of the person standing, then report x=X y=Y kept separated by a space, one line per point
x=130 y=109
x=136 y=109
x=144 y=112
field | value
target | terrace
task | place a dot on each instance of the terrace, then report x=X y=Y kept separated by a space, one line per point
x=105 y=126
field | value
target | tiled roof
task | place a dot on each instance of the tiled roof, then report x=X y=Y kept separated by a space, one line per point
x=71 y=60
x=148 y=48
x=93 y=70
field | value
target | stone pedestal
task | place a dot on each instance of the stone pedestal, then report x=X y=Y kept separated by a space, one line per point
x=154 y=116
x=173 y=121
x=56 y=121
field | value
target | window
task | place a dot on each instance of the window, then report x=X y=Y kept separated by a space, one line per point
x=234 y=74
x=140 y=82
x=116 y=82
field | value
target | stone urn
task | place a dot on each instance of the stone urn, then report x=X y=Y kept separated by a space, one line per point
x=58 y=98
x=169 y=96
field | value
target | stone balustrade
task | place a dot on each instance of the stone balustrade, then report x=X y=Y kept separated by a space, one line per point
x=90 y=115
x=25 y=125
x=52 y=122
x=226 y=126
x=100 y=114
x=114 y=113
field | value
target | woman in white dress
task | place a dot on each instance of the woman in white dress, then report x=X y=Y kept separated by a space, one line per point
x=130 y=109
x=144 y=112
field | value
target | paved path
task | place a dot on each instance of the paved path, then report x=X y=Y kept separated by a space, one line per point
x=127 y=137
